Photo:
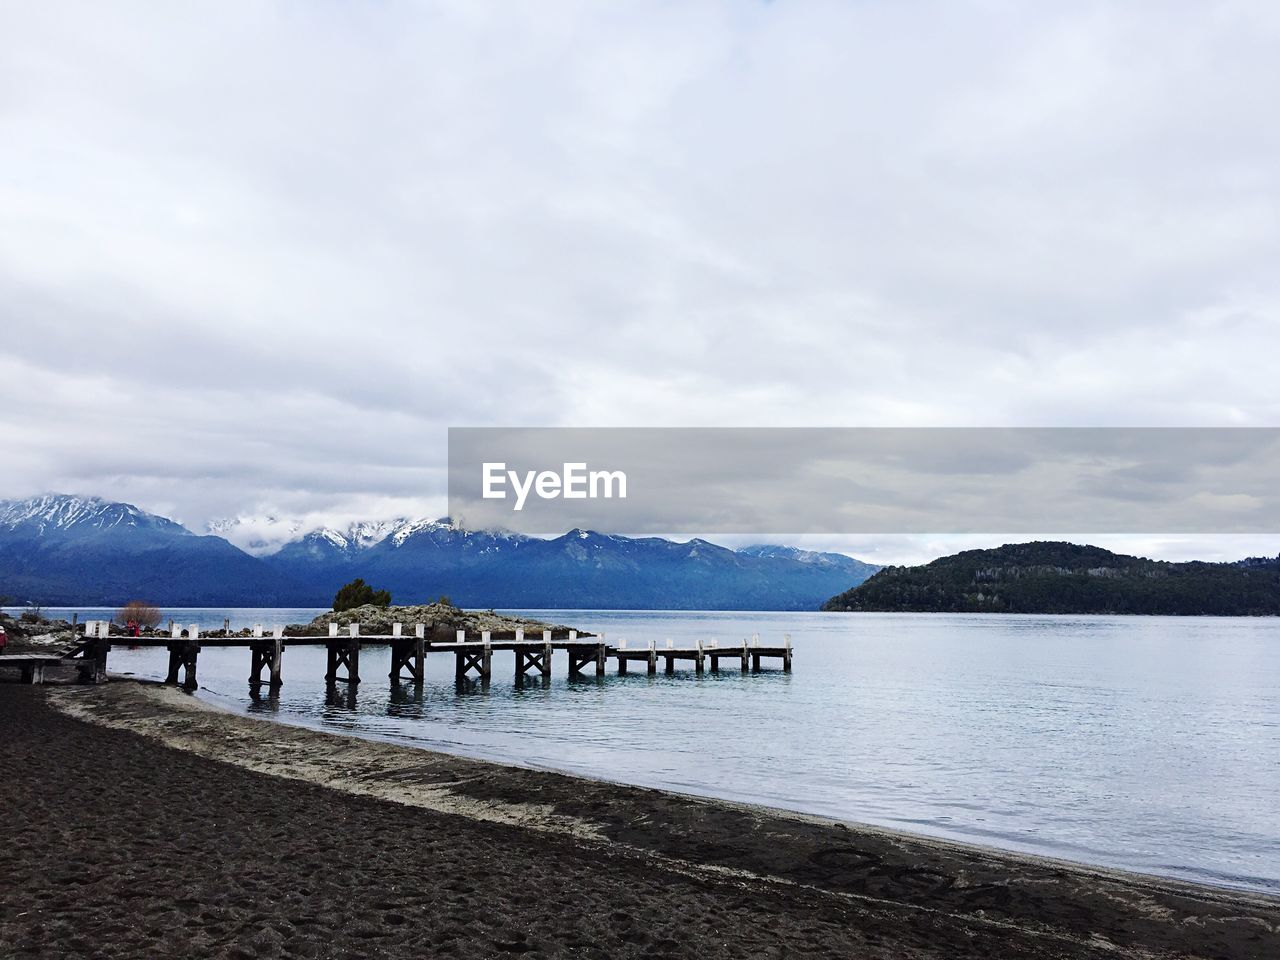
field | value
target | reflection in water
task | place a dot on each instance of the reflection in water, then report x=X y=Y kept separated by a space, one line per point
x=406 y=701
x=472 y=685
x=342 y=696
x=260 y=704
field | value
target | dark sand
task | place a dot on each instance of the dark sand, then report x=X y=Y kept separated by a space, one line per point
x=115 y=844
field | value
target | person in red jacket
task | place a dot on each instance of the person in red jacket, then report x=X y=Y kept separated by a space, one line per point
x=4 y=640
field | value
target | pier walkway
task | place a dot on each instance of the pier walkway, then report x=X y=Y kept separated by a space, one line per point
x=472 y=653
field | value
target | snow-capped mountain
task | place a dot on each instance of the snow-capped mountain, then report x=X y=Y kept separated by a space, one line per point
x=421 y=559
x=60 y=549
x=256 y=534
x=837 y=561
x=61 y=513
x=64 y=549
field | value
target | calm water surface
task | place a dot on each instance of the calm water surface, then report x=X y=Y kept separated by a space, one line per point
x=1151 y=744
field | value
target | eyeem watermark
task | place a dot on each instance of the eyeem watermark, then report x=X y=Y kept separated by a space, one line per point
x=1051 y=480
x=575 y=482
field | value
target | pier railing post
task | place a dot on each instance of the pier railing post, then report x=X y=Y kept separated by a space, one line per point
x=190 y=651
x=331 y=647
x=653 y=658
x=420 y=653
x=546 y=653
x=353 y=655
x=786 y=653
x=277 y=656
x=175 y=652
x=699 y=657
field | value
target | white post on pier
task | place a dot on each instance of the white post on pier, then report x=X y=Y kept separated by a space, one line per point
x=420 y=630
x=193 y=631
x=755 y=639
x=355 y=629
x=670 y=643
x=519 y=634
x=333 y=629
x=713 y=642
x=278 y=633
x=462 y=636
x=175 y=631
x=573 y=635
x=546 y=636
x=397 y=629
x=257 y=630
x=622 y=643
x=484 y=637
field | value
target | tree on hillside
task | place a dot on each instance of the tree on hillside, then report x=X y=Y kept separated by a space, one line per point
x=357 y=593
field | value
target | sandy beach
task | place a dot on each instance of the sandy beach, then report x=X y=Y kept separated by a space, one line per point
x=138 y=821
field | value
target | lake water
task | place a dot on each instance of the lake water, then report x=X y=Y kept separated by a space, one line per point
x=1151 y=744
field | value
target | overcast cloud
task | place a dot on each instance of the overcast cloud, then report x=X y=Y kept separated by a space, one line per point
x=256 y=258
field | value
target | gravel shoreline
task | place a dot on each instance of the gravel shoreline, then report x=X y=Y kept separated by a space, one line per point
x=141 y=822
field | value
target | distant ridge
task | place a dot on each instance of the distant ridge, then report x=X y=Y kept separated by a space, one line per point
x=58 y=549
x=1058 y=577
x=64 y=550
x=422 y=558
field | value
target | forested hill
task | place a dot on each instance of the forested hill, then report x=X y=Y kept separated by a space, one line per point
x=1055 y=577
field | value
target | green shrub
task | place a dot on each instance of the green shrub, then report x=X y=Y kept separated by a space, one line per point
x=356 y=594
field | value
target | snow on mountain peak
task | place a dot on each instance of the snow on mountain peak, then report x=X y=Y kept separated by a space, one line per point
x=64 y=512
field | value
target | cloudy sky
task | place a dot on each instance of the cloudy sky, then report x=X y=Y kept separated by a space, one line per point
x=256 y=258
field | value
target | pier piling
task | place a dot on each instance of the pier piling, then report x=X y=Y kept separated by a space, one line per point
x=266 y=652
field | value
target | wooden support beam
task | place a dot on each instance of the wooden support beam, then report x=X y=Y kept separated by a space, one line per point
x=267 y=654
x=353 y=659
x=403 y=654
x=477 y=657
x=343 y=652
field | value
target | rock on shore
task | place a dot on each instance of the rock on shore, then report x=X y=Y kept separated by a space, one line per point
x=445 y=618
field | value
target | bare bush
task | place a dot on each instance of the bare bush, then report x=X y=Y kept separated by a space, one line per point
x=140 y=612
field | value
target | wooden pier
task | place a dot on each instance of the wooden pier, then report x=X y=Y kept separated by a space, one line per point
x=473 y=654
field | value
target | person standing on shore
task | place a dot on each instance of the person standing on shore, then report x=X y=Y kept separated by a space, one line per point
x=4 y=640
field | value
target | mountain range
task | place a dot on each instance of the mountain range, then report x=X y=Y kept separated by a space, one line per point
x=1059 y=577
x=60 y=550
